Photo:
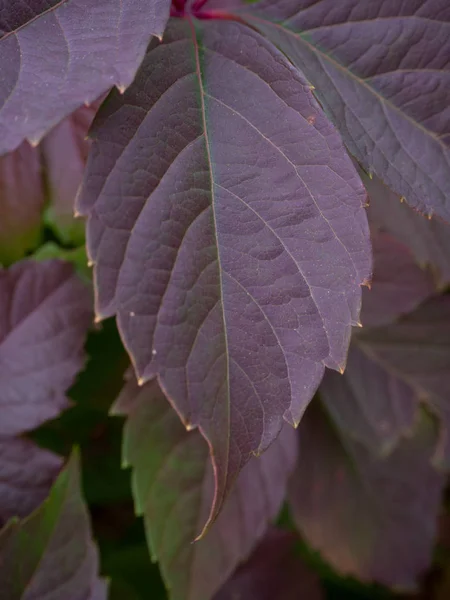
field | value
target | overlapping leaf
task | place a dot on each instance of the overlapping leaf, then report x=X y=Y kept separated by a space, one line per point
x=50 y=554
x=416 y=351
x=173 y=487
x=398 y=285
x=64 y=152
x=273 y=571
x=21 y=203
x=382 y=72
x=228 y=234
x=372 y=518
x=46 y=312
x=428 y=239
x=371 y=403
x=26 y=475
x=58 y=54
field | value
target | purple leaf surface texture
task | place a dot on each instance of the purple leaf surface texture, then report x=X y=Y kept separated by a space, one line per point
x=228 y=234
x=369 y=404
x=399 y=284
x=416 y=351
x=371 y=518
x=26 y=475
x=22 y=202
x=273 y=571
x=381 y=70
x=59 y=54
x=64 y=152
x=173 y=488
x=50 y=555
x=428 y=239
x=46 y=313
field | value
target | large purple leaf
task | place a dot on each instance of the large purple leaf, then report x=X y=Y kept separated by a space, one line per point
x=382 y=72
x=428 y=239
x=398 y=285
x=58 y=54
x=26 y=475
x=46 y=312
x=416 y=351
x=372 y=518
x=50 y=555
x=173 y=488
x=228 y=234
x=21 y=203
x=273 y=572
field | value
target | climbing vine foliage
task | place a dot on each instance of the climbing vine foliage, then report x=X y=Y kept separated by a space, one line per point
x=257 y=195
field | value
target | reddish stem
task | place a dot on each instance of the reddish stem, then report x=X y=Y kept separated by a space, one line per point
x=198 y=5
x=221 y=15
x=179 y=5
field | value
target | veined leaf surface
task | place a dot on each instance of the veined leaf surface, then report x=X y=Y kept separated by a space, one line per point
x=381 y=69
x=59 y=54
x=173 y=488
x=228 y=234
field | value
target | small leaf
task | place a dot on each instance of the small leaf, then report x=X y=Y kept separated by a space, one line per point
x=64 y=152
x=416 y=350
x=369 y=404
x=273 y=572
x=26 y=475
x=21 y=203
x=398 y=285
x=58 y=55
x=50 y=555
x=228 y=235
x=173 y=488
x=46 y=313
x=428 y=239
x=371 y=518
x=381 y=71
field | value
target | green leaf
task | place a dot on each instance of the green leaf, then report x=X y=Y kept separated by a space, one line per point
x=50 y=555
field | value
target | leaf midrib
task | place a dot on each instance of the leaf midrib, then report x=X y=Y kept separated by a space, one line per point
x=208 y=153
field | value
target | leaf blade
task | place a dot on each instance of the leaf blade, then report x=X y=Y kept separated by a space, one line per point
x=173 y=487
x=55 y=40
x=388 y=102
x=47 y=312
x=31 y=548
x=160 y=269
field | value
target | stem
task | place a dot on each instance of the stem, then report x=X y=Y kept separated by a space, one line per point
x=179 y=5
x=198 y=5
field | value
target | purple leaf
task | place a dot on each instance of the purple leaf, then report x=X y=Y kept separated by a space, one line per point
x=46 y=312
x=26 y=475
x=398 y=285
x=371 y=518
x=273 y=571
x=416 y=350
x=428 y=239
x=57 y=55
x=50 y=555
x=228 y=235
x=381 y=71
x=173 y=488
x=369 y=404
x=21 y=203
x=64 y=152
